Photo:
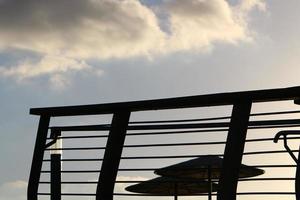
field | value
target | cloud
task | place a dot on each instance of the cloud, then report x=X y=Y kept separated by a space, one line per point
x=68 y=33
x=79 y=29
x=248 y=5
x=14 y=190
x=46 y=65
x=197 y=24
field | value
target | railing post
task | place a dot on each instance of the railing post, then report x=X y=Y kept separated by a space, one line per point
x=234 y=150
x=112 y=155
x=55 y=177
x=37 y=159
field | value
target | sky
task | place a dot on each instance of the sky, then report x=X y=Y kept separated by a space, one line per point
x=63 y=52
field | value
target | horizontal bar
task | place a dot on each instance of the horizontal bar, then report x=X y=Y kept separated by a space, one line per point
x=166 y=132
x=179 y=126
x=198 y=143
x=213 y=118
x=177 y=132
x=173 y=103
x=204 y=131
x=180 y=120
x=76 y=148
x=165 y=157
x=170 y=157
x=194 y=156
x=76 y=159
x=188 y=181
x=75 y=171
x=70 y=194
x=257 y=166
x=269 y=179
x=173 y=144
x=152 y=169
x=267 y=152
x=266 y=193
x=273 y=166
x=82 y=136
x=72 y=182
x=203 y=179
x=157 y=195
x=214 y=194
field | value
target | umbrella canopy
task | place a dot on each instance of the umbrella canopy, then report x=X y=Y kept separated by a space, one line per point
x=167 y=186
x=198 y=169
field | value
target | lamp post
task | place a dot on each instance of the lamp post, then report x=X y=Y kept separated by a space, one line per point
x=55 y=179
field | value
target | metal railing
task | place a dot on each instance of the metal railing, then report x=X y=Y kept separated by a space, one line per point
x=107 y=157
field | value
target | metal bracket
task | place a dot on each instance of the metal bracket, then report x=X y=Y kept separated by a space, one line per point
x=284 y=134
x=53 y=135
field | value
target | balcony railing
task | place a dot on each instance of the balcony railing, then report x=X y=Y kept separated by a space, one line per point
x=107 y=147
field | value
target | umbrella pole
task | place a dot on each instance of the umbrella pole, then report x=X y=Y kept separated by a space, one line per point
x=297 y=181
x=209 y=182
x=176 y=192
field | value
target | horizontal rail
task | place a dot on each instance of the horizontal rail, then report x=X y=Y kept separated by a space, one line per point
x=171 y=157
x=152 y=169
x=179 y=126
x=76 y=148
x=203 y=179
x=267 y=152
x=214 y=194
x=214 y=118
x=187 y=181
x=72 y=182
x=291 y=93
x=81 y=137
x=76 y=160
x=168 y=144
x=70 y=194
x=172 y=132
x=74 y=171
x=204 y=194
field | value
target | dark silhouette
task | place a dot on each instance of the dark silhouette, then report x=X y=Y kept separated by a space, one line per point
x=297 y=161
x=234 y=149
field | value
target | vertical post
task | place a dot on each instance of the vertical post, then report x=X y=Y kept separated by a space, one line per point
x=112 y=155
x=297 y=181
x=234 y=150
x=37 y=159
x=55 y=152
x=209 y=182
x=176 y=191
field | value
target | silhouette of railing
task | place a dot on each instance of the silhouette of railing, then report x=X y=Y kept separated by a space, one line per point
x=222 y=135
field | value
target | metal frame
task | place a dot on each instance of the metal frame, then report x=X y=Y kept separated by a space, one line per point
x=238 y=126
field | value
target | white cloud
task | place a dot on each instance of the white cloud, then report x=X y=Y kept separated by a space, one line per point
x=197 y=24
x=80 y=29
x=248 y=5
x=68 y=33
x=47 y=65
x=54 y=66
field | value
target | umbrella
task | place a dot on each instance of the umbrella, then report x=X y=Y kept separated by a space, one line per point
x=204 y=167
x=168 y=186
x=198 y=169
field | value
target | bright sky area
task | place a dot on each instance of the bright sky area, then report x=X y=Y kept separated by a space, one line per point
x=63 y=52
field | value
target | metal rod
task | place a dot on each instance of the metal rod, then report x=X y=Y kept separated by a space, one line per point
x=174 y=103
x=297 y=181
x=112 y=155
x=55 y=176
x=234 y=151
x=179 y=126
x=209 y=182
x=37 y=159
x=214 y=118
